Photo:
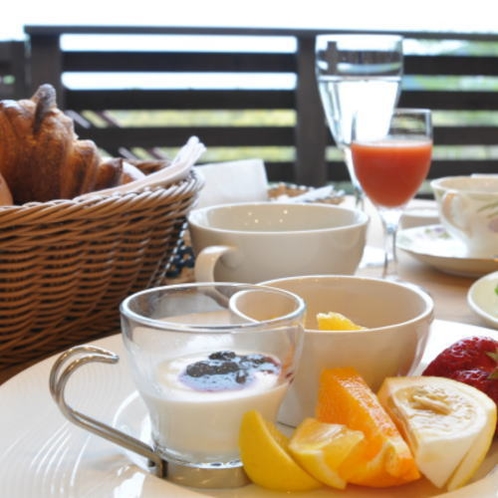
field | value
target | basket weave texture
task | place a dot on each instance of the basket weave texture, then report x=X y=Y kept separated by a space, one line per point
x=66 y=265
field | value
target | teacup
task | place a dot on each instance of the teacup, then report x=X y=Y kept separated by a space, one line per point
x=251 y=242
x=201 y=355
x=468 y=208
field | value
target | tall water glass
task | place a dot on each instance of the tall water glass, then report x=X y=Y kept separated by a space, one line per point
x=359 y=73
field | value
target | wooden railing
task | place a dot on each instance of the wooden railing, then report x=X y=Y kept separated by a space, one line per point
x=457 y=84
x=13 y=70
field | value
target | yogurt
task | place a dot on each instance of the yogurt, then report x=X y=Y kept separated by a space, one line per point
x=197 y=406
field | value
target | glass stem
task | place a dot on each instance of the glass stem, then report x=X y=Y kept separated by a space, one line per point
x=359 y=196
x=390 y=222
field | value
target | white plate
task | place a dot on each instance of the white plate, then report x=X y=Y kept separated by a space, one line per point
x=43 y=455
x=483 y=298
x=434 y=246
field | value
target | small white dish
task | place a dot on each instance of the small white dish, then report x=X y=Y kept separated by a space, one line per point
x=434 y=246
x=483 y=298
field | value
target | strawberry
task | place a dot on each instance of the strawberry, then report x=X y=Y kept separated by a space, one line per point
x=480 y=379
x=465 y=354
x=474 y=361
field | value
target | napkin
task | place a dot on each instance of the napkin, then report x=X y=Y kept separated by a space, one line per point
x=233 y=182
x=179 y=168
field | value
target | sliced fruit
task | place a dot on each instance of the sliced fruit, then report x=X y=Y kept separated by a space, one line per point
x=336 y=321
x=383 y=458
x=448 y=425
x=321 y=448
x=266 y=459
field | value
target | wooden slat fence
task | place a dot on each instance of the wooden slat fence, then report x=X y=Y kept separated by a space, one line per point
x=13 y=70
x=459 y=83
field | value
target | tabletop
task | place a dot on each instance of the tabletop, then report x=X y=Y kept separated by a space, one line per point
x=44 y=453
x=448 y=291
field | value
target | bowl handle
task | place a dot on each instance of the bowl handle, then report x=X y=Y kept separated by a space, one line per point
x=206 y=260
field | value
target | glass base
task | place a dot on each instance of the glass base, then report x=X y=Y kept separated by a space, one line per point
x=208 y=476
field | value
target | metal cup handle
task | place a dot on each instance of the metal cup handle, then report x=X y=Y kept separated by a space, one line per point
x=62 y=369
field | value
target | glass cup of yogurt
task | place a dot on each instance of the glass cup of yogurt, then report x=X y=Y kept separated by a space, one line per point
x=201 y=355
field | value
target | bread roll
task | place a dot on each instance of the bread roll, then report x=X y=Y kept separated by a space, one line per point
x=5 y=194
x=41 y=157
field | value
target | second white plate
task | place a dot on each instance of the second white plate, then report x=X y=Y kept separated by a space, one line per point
x=483 y=298
x=434 y=246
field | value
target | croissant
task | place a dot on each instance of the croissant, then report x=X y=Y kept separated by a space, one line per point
x=41 y=157
x=5 y=193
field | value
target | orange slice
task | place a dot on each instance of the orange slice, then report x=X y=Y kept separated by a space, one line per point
x=321 y=448
x=383 y=458
x=336 y=321
x=266 y=459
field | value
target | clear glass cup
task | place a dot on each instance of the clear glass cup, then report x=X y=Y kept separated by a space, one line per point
x=357 y=73
x=200 y=355
x=391 y=158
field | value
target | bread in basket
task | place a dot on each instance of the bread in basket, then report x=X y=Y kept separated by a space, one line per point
x=67 y=263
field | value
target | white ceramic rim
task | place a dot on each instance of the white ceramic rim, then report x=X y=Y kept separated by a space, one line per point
x=428 y=312
x=125 y=310
x=474 y=303
x=438 y=183
x=361 y=218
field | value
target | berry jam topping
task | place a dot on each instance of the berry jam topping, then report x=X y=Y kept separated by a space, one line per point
x=226 y=370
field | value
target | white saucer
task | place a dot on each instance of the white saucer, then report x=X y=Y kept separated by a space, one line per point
x=483 y=298
x=434 y=246
x=44 y=455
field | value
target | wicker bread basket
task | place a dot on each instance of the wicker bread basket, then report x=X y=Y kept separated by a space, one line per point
x=66 y=265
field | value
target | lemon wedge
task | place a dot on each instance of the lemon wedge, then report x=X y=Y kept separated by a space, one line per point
x=321 y=448
x=266 y=459
x=448 y=425
x=336 y=321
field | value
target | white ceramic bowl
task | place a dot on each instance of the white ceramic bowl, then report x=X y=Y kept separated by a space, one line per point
x=251 y=242
x=483 y=298
x=398 y=318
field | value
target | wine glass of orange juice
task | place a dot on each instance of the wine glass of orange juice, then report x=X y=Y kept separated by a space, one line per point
x=391 y=158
